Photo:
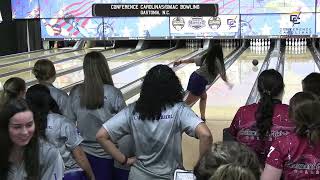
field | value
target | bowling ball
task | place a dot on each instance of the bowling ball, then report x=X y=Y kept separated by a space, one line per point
x=255 y=62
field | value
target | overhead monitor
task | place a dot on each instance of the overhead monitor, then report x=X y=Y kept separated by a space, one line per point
x=79 y=8
x=225 y=6
x=294 y=24
x=73 y=28
x=318 y=24
x=25 y=9
x=66 y=8
x=136 y=28
x=276 y=6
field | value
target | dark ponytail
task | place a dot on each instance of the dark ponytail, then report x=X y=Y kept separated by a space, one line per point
x=41 y=106
x=270 y=85
x=215 y=61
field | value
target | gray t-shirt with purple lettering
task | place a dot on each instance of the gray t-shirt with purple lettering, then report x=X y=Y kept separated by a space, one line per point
x=157 y=143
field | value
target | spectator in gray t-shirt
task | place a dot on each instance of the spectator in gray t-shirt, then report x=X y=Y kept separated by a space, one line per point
x=45 y=73
x=211 y=65
x=91 y=104
x=156 y=122
x=24 y=155
x=59 y=131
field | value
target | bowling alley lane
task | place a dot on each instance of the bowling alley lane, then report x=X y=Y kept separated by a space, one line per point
x=113 y=63
x=298 y=64
x=183 y=74
x=28 y=76
x=116 y=62
x=12 y=58
x=51 y=58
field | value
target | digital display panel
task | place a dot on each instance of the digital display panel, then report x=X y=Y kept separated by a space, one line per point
x=318 y=24
x=136 y=27
x=73 y=28
x=82 y=8
x=276 y=6
x=25 y=9
x=223 y=25
x=302 y=24
x=78 y=8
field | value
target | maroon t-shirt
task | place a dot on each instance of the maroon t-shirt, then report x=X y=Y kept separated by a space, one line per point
x=296 y=157
x=243 y=128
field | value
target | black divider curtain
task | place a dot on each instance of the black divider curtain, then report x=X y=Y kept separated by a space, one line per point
x=7 y=29
x=13 y=33
x=33 y=26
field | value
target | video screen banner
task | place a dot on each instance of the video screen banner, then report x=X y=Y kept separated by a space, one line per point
x=278 y=24
x=98 y=28
x=318 y=5
x=25 y=9
x=78 y=8
x=223 y=25
x=276 y=6
x=318 y=24
x=136 y=27
x=225 y=6
x=82 y=8
x=74 y=28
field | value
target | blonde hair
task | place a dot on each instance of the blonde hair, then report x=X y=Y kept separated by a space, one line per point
x=233 y=171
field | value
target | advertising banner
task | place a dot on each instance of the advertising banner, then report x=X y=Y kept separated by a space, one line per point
x=302 y=24
x=223 y=25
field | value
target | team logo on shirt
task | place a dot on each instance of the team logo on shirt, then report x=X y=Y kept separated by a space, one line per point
x=214 y=23
x=178 y=23
x=197 y=23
